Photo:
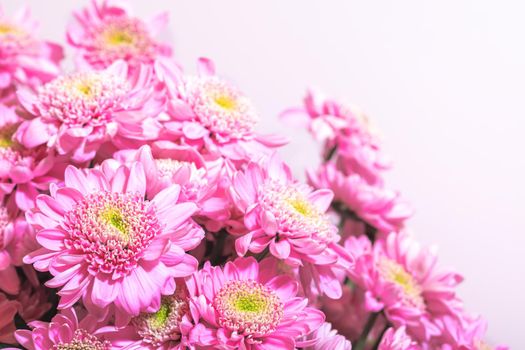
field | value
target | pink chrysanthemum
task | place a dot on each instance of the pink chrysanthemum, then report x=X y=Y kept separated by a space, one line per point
x=77 y=113
x=208 y=112
x=64 y=332
x=326 y=338
x=379 y=207
x=289 y=219
x=106 y=32
x=404 y=280
x=8 y=310
x=242 y=307
x=23 y=173
x=397 y=339
x=164 y=329
x=103 y=242
x=345 y=131
x=465 y=333
x=24 y=60
x=16 y=240
x=166 y=163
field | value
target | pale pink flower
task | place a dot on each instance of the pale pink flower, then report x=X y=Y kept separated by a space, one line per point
x=167 y=163
x=16 y=238
x=164 y=329
x=8 y=310
x=326 y=338
x=378 y=206
x=242 y=307
x=23 y=173
x=107 y=31
x=75 y=114
x=403 y=279
x=103 y=242
x=466 y=333
x=24 y=59
x=346 y=133
x=397 y=339
x=289 y=219
x=210 y=113
x=63 y=332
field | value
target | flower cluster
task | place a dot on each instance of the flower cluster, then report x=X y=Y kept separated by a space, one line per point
x=140 y=209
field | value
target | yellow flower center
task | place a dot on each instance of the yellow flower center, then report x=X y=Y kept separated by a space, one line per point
x=302 y=206
x=250 y=303
x=116 y=37
x=159 y=318
x=6 y=29
x=113 y=218
x=225 y=102
x=393 y=272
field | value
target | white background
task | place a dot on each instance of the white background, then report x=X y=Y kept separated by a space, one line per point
x=444 y=82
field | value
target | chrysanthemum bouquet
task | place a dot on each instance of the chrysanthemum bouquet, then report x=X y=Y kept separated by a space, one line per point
x=140 y=209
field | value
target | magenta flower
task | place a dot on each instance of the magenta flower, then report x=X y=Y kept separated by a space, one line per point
x=380 y=207
x=63 y=332
x=77 y=113
x=466 y=333
x=404 y=280
x=165 y=329
x=16 y=240
x=23 y=173
x=345 y=129
x=24 y=60
x=397 y=339
x=289 y=219
x=326 y=338
x=106 y=32
x=208 y=112
x=104 y=243
x=8 y=310
x=242 y=307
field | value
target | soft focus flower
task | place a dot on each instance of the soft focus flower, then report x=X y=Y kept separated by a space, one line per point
x=404 y=280
x=241 y=306
x=465 y=333
x=380 y=207
x=104 y=243
x=326 y=338
x=106 y=31
x=64 y=332
x=8 y=310
x=75 y=114
x=33 y=301
x=23 y=173
x=24 y=60
x=397 y=339
x=346 y=132
x=289 y=219
x=209 y=113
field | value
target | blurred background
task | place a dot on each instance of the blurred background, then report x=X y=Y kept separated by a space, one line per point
x=443 y=81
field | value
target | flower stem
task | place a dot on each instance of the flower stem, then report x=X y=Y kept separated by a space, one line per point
x=361 y=342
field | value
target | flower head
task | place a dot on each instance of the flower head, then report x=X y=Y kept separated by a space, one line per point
x=243 y=307
x=346 y=132
x=382 y=208
x=103 y=242
x=24 y=60
x=289 y=219
x=397 y=339
x=404 y=280
x=64 y=332
x=105 y=32
x=75 y=114
x=211 y=114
